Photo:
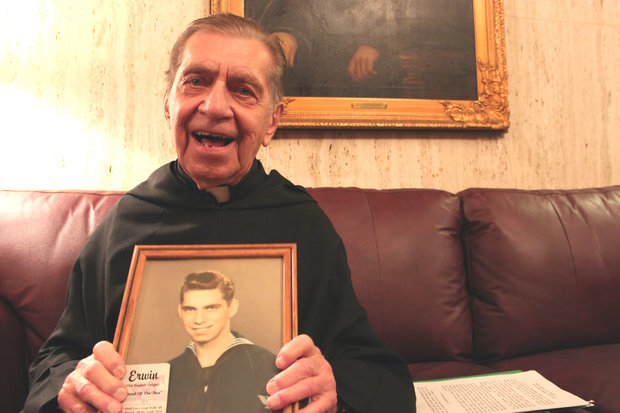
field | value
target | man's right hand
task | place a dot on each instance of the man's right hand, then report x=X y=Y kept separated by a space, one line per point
x=95 y=384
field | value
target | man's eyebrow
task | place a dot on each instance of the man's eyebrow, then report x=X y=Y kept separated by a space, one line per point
x=239 y=75
x=247 y=78
x=216 y=305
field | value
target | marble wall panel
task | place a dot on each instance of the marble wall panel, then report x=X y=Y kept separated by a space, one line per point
x=81 y=90
x=81 y=87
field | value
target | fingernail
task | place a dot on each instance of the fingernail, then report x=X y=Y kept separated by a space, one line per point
x=119 y=372
x=272 y=402
x=120 y=394
x=272 y=387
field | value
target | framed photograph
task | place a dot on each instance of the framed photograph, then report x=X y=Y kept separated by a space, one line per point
x=200 y=325
x=388 y=63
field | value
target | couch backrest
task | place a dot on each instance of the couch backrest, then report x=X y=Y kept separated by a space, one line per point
x=544 y=268
x=407 y=266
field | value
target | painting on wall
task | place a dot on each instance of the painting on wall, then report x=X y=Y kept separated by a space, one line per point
x=387 y=63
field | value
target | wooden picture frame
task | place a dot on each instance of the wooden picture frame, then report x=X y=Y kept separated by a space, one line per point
x=488 y=110
x=150 y=331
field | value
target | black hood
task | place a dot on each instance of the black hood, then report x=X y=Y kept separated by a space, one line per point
x=255 y=190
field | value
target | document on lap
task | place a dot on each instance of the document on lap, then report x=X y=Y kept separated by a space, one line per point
x=496 y=393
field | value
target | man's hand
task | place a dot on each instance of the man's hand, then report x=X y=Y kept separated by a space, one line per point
x=306 y=374
x=362 y=64
x=289 y=45
x=95 y=384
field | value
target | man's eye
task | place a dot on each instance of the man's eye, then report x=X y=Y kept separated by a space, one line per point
x=192 y=82
x=245 y=91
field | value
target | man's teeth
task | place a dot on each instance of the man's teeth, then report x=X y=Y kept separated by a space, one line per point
x=211 y=140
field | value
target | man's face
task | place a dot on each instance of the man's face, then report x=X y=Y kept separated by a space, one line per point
x=219 y=107
x=206 y=314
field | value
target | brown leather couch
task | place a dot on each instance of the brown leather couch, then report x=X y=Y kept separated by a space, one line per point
x=480 y=281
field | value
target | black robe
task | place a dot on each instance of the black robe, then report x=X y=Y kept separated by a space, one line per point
x=168 y=209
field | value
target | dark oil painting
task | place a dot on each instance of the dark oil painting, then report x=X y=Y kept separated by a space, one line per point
x=407 y=49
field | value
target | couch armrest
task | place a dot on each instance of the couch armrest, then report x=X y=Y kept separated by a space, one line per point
x=13 y=359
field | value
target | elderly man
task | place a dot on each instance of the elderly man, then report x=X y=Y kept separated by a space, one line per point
x=222 y=103
x=219 y=371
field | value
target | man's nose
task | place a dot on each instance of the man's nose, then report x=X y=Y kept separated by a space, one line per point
x=200 y=317
x=216 y=104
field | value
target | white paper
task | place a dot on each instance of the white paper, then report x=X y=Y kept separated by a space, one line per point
x=498 y=393
x=147 y=386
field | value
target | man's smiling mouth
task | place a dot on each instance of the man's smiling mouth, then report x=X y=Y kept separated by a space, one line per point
x=212 y=141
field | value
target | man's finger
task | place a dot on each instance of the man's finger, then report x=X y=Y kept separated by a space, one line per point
x=95 y=383
x=83 y=392
x=298 y=347
x=313 y=388
x=68 y=402
x=297 y=372
x=107 y=355
x=93 y=371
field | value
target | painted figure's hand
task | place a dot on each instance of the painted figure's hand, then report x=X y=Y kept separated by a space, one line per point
x=95 y=384
x=289 y=45
x=362 y=64
x=306 y=375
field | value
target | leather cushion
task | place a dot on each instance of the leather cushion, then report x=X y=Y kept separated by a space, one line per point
x=544 y=268
x=407 y=267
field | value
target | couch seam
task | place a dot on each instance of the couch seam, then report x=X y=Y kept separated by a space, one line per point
x=572 y=252
x=464 y=241
x=378 y=260
x=565 y=232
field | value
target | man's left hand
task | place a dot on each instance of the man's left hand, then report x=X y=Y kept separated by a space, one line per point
x=362 y=64
x=306 y=375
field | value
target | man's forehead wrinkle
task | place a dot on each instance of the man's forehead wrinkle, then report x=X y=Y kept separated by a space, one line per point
x=202 y=67
x=236 y=70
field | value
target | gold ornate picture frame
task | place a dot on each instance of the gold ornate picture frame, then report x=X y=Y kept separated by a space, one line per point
x=176 y=303
x=488 y=111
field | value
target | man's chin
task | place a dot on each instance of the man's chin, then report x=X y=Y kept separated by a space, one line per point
x=201 y=339
x=215 y=177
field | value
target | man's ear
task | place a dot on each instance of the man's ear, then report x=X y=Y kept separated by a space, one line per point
x=180 y=311
x=167 y=106
x=233 y=308
x=275 y=120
